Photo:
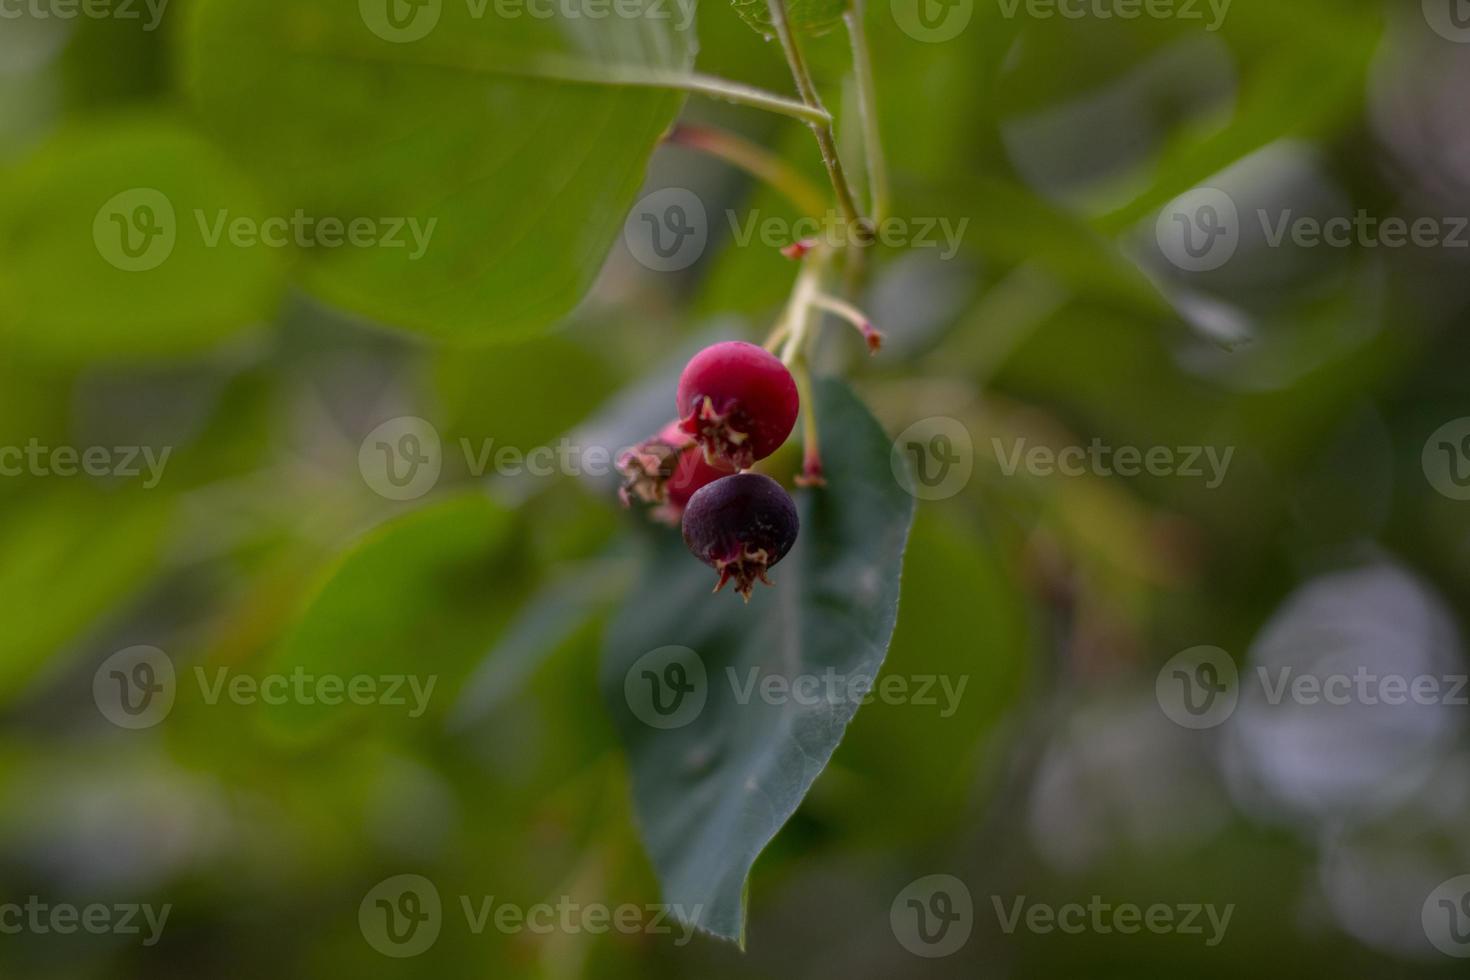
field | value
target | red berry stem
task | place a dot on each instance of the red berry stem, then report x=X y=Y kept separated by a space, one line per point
x=811 y=451
x=852 y=315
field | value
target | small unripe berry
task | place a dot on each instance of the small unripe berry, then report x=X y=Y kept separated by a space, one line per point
x=648 y=466
x=741 y=526
x=666 y=470
x=738 y=401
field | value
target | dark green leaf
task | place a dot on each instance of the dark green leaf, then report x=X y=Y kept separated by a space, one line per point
x=712 y=793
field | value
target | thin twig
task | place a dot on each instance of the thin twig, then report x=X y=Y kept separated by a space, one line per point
x=826 y=142
x=862 y=64
x=852 y=315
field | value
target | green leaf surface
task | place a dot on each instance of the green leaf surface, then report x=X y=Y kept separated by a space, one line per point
x=711 y=793
x=68 y=557
x=416 y=598
x=514 y=146
x=104 y=252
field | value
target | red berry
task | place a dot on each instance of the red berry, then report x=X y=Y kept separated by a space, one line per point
x=740 y=526
x=738 y=401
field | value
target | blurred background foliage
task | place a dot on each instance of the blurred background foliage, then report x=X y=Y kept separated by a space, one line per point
x=1058 y=778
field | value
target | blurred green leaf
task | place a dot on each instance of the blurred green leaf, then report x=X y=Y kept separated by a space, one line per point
x=520 y=396
x=1011 y=224
x=509 y=149
x=106 y=255
x=712 y=793
x=1288 y=90
x=69 y=557
x=555 y=613
x=414 y=598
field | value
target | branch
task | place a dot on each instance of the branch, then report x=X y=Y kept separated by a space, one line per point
x=807 y=89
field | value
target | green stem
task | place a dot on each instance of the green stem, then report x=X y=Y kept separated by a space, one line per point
x=707 y=85
x=811 y=449
x=755 y=160
x=862 y=64
x=807 y=89
x=796 y=319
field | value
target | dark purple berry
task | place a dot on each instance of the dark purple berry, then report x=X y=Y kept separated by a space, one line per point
x=740 y=526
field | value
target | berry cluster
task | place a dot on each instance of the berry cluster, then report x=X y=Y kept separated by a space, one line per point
x=737 y=404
